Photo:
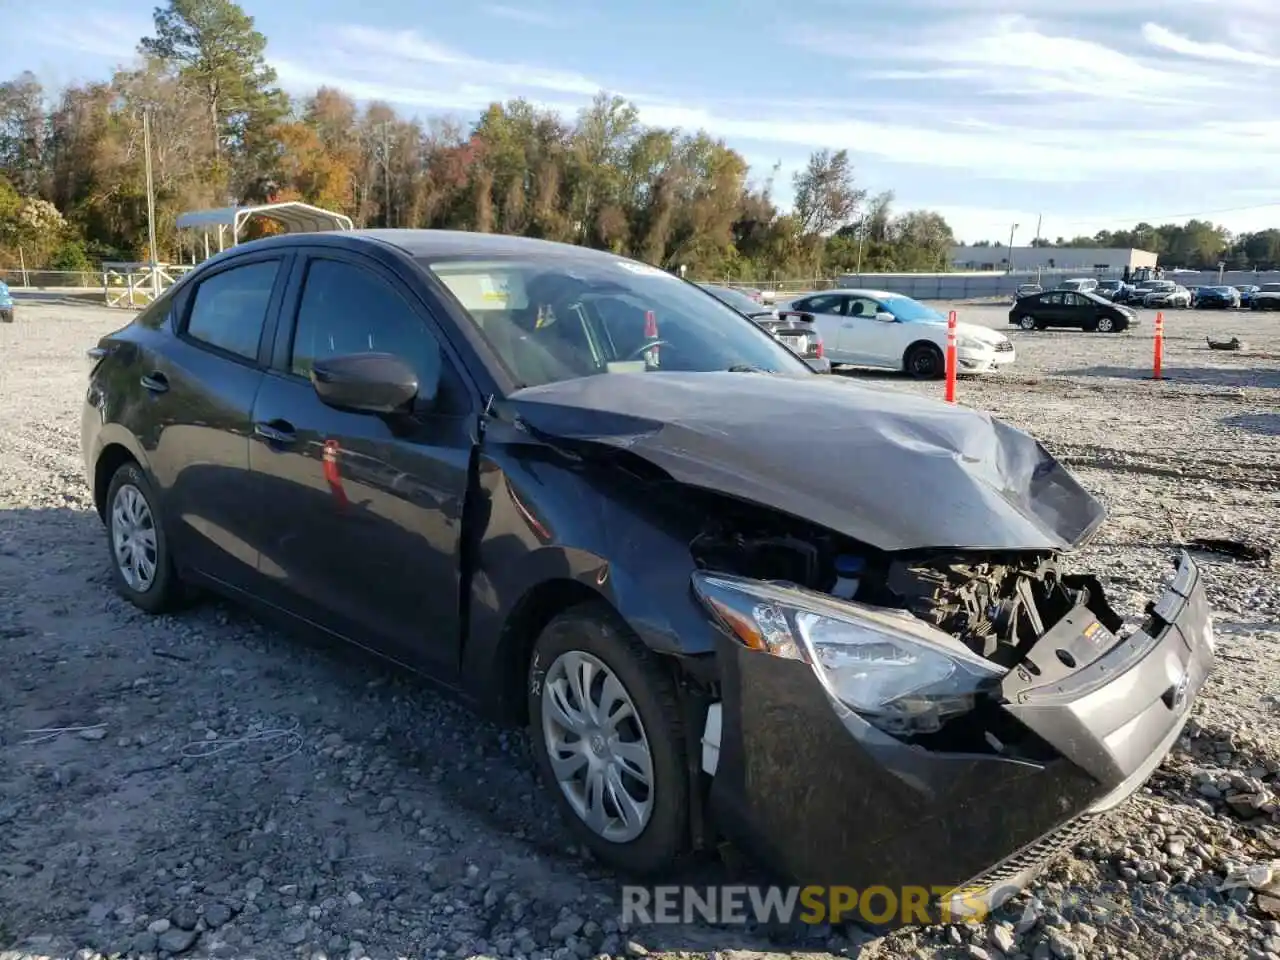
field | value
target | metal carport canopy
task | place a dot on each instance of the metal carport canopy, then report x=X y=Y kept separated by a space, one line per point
x=293 y=215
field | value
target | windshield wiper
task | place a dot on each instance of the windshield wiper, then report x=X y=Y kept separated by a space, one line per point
x=747 y=368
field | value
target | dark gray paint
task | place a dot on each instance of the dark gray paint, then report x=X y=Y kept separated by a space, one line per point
x=889 y=469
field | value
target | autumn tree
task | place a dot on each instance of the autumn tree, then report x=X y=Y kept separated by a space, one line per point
x=827 y=195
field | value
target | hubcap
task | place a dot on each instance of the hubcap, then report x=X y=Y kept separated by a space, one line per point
x=133 y=536
x=1105 y=324
x=597 y=745
x=923 y=363
x=1027 y=323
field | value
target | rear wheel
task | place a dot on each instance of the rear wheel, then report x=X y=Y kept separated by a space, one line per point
x=924 y=361
x=141 y=567
x=1027 y=322
x=606 y=729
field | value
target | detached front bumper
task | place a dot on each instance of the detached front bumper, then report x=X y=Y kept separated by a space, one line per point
x=827 y=799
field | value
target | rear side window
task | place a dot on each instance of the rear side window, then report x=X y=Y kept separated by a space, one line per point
x=824 y=304
x=230 y=308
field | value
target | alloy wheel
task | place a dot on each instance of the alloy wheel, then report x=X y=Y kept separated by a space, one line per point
x=133 y=538
x=1105 y=324
x=597 y=746
x=1027 y=323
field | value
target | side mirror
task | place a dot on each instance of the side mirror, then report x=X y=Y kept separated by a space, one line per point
x=378 y=383
x=885 y=316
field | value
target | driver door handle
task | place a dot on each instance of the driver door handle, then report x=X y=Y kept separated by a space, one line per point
x=279 y=432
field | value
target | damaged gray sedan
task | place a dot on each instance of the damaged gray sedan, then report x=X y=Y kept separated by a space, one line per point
x=731 y=599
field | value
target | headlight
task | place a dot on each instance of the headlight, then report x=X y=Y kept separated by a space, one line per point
x=970 y=343
x=893 y=670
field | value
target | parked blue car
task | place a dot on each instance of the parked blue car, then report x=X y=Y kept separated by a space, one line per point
x=6 y=303
x=1247 y=293
x=1207 y=298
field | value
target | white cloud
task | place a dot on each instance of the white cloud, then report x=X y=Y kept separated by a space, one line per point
x=380 y=49
x=1010 y=55
x=1166 y=39
x=106 y=35
x=519 y=15
x=1037 y=98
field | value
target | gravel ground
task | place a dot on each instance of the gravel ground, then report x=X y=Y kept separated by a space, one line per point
x=206 y=785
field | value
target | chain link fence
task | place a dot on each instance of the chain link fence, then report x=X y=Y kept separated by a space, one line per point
x=974 y=286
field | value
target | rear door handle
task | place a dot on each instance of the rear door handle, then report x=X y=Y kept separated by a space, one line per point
x=276 y=431
x=155 y=382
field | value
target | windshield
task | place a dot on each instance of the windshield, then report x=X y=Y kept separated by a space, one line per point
x=739 y=301
x=559 y=318
x=910 y=311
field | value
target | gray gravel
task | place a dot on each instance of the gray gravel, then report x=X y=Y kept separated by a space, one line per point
x=216 y=788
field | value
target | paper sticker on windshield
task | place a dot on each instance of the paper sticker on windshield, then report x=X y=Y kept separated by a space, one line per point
x=643 y=269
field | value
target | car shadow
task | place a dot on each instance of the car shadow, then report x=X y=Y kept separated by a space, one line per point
x=1266 y=424
x=1178 y=373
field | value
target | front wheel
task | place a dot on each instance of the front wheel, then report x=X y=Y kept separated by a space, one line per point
x=1105 y=325
x=924 y=361
x=606 y=729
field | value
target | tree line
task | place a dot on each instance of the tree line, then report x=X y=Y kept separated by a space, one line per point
x=73 y=189
x=73 y=192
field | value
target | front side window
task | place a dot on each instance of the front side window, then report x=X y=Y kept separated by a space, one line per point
x=863 y=307
x=229 y=309
x=346 y=309
x=559 y=318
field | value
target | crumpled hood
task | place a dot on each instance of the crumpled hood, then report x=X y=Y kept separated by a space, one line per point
x=979 y=332
x=889 y=469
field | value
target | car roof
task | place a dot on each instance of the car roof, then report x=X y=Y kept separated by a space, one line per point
x=427 y=244
x=859 y=292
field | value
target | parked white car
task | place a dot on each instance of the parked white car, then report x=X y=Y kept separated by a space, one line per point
x=875 y=328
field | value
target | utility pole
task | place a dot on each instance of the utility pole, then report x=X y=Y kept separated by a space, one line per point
x=862 y=232
x=1010 y=260
x=1039 y=220
x=386 y=175
x=151 y=202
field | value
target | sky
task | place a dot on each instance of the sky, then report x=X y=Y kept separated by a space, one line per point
x=1081 y=114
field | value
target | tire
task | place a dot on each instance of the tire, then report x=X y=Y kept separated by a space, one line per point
x=924 y=361
x=1105 y=325
x=656 y=838
x=6 y=316
x=1027 y=323
x=132 y=500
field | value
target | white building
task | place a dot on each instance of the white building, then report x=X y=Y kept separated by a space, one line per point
x=1070 y=259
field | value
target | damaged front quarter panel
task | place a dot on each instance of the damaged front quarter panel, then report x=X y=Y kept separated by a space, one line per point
x=888 y=469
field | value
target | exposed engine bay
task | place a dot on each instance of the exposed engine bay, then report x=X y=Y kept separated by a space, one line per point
x=999 y=605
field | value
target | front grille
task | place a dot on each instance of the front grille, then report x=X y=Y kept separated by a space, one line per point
x=1035 y=856
x=1005 y=347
